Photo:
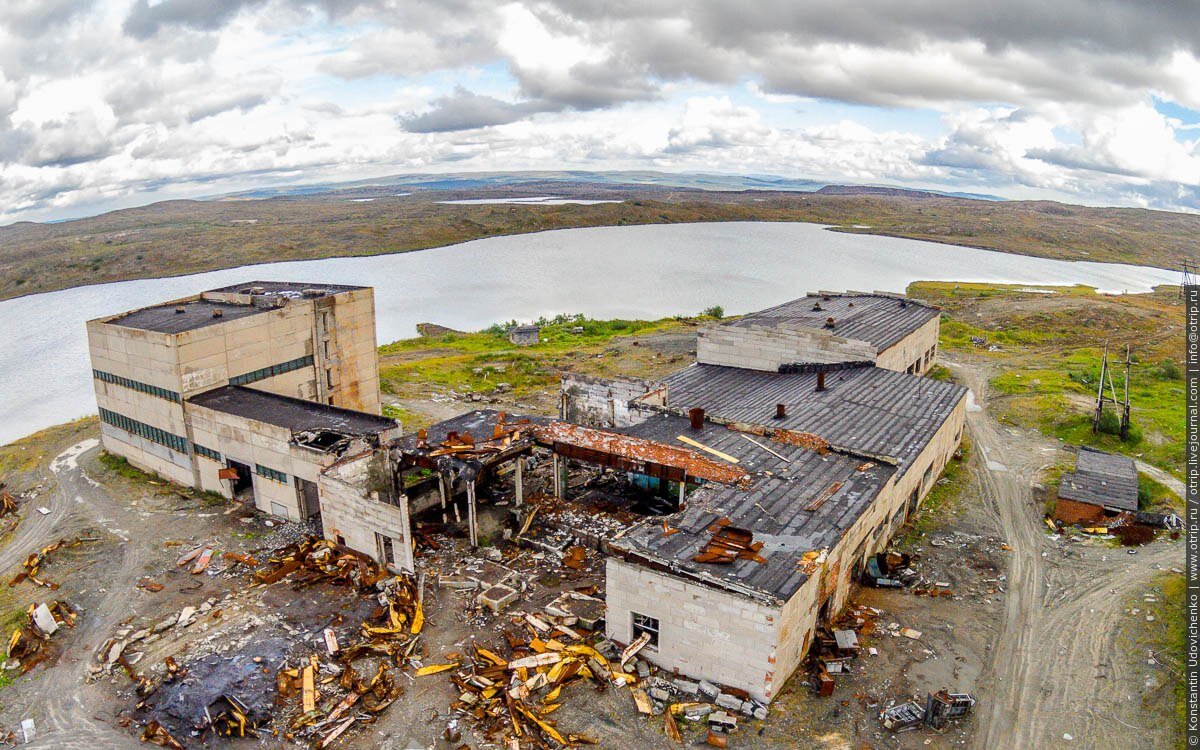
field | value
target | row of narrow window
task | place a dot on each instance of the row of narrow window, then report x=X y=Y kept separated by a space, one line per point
x=135 y=385
x=270 y=372
x=269 y=473
x=177 y=443
x=162 y=437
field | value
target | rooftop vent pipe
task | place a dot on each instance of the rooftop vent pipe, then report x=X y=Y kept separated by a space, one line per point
x=820 y=381
x=829 y=322
x=313 y=292
x=697 y=417
x=218 y=312
x=179 y=311
x=780 y=411
x=904 y=303
x=817 y=307
x=258 y=290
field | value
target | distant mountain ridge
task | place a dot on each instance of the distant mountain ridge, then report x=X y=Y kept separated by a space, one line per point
x=714 y=182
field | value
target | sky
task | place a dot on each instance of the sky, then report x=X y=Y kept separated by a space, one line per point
x=107 y=104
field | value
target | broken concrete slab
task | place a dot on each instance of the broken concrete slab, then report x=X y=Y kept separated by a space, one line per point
x=498 y=597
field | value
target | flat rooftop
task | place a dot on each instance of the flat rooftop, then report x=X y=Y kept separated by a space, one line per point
x=183 y=316
x=866 y=410
x=1103 y=479
x=294 y=414
x=180 y=317
x=877 y=319
x=772 y=507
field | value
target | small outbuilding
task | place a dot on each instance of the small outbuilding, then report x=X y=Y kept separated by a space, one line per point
x=525 y=335
x=1102 y=484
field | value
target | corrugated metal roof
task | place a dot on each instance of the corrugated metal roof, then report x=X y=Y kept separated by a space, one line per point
x=772 y=508
x=877 y=319
x=869 y=410
x=1102 y=479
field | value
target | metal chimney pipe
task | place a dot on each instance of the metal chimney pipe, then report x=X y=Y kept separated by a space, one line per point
x=780 y=411
x=697 y=417
x=820 y=381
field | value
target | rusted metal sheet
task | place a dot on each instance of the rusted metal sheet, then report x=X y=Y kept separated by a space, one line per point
x=635 y=454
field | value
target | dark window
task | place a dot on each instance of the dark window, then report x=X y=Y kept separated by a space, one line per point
x=272 y=474
x=644 y=624
x=154 y=434
x=272 y=371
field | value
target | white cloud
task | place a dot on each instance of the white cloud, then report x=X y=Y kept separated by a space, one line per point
x=114 y=102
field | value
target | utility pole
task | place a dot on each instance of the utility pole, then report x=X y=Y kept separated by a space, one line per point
x=1125 y=410
x=1100 y=392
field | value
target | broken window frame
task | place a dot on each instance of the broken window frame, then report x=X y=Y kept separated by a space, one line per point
x=640 y=624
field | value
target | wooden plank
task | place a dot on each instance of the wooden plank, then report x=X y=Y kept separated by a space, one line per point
x=706 y=449
x=308 y=690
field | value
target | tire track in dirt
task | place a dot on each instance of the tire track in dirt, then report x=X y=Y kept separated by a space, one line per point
x=1057 y=668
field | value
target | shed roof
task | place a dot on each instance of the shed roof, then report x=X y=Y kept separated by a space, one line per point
x=878 y=319
x=1103 y=479
x=294 y=414
x=772 y=507
x=867 y=410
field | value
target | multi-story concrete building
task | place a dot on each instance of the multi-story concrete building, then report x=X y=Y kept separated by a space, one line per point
x=251 y=389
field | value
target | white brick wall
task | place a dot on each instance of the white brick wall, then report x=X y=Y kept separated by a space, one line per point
x=704 y=633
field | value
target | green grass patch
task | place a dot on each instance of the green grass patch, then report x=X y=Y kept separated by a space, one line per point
x=120 y=466
x=1153 y=495
x=938 y=372
x=479 y=362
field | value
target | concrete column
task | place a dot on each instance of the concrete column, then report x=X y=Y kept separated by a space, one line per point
x=518 y=483
x=682 y=490
x=556 y=466
x=472 y=529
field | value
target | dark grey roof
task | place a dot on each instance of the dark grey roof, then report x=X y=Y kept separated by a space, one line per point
x=280 y=287
x=772 y=507
x=879 y=320
x=868 y=410
x=294 y=414
x=1102 y=479
x=165 y=318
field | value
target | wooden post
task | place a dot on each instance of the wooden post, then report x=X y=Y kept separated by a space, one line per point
x=557 y=468
x=474 y=532
x=518 y=483
x=682 y=490
x=442 y=493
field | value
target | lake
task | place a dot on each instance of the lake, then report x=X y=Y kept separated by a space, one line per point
x=630 y=272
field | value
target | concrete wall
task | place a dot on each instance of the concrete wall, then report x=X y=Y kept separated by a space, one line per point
x=210 y=356
x=352 y=517
x=703 y=632
x=346 y=351
x=915 y=352
x=602 y=402
x=762 y=348
x=251 y=442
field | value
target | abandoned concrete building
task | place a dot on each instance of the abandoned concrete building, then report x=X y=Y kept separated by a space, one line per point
x=735 y=501
x=249 y=390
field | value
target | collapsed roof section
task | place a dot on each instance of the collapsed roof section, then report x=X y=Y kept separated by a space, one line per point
x=317 y=426
x=795 y=500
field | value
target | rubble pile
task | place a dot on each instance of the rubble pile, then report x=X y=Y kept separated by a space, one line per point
x=279 y=687
x=29 y=645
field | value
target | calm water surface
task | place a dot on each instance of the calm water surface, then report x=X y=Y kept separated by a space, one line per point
x=631 y=272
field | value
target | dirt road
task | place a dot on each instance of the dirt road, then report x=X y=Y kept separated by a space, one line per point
x=1058 y=677
x=62 y=706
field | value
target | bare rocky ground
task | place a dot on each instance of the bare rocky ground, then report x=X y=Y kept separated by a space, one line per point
x=1037 y=628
